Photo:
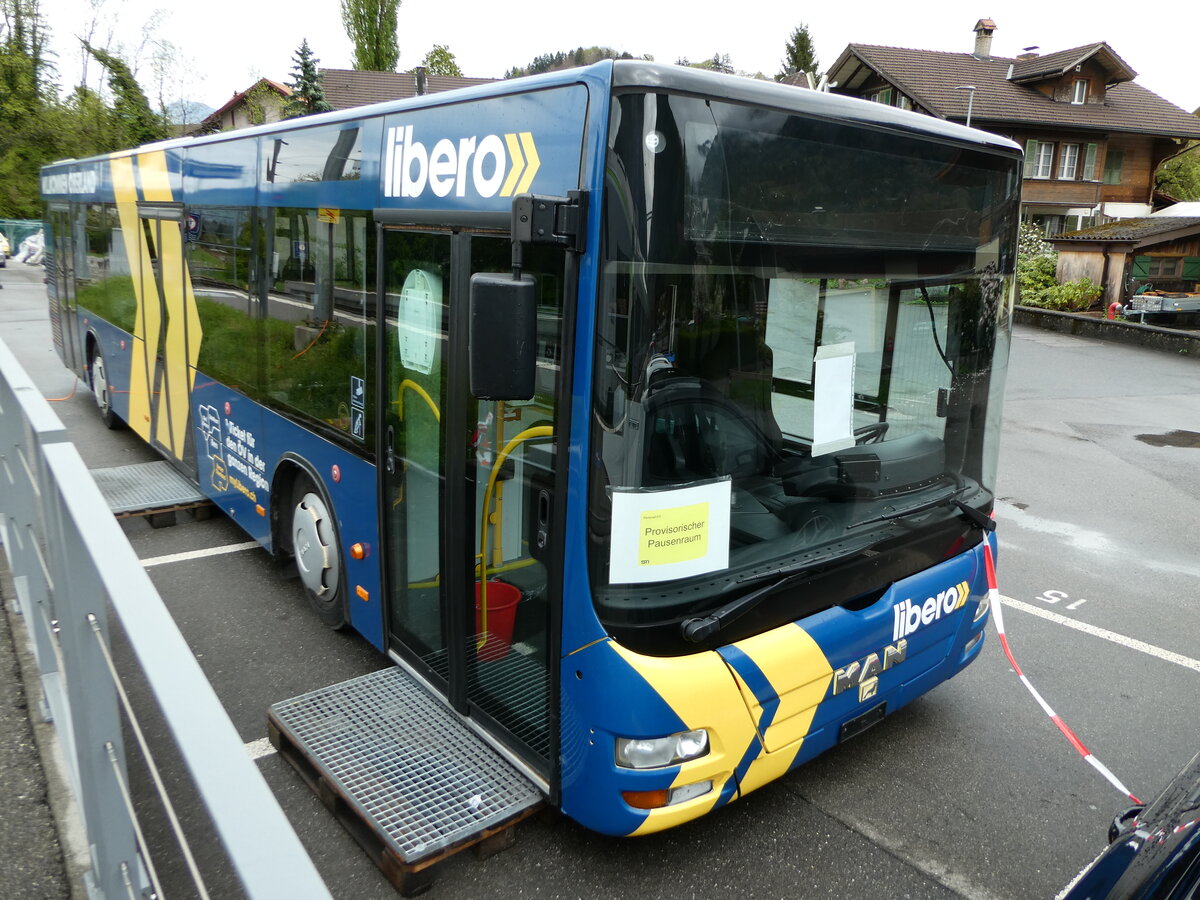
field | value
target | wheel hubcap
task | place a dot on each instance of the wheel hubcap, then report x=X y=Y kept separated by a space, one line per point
x=315 y=546
x=100 y=383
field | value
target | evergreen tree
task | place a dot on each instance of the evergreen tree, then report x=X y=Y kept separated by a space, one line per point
x=132 y=121
x=799 y=54
x=371 y=26
x=440 y=61
x=308 y=96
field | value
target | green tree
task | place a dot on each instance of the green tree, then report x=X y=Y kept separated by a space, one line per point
x=720 y=62
x=1179 y=176
x=799 y=55
x=308 y=96
x=132 y=120
x=580 y=56
x=29 y=121
x=440 y=61
x=371 y=26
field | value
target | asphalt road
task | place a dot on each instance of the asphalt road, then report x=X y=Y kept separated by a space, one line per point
x=969 y=792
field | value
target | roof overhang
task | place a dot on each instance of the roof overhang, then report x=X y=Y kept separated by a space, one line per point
x=1034 y=70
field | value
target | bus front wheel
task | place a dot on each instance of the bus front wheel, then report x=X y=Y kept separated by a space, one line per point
x=98 y=376
x=318 y=555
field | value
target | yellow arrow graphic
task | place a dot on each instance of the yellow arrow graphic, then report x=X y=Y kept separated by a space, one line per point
x=533 y=162
x=518 y=165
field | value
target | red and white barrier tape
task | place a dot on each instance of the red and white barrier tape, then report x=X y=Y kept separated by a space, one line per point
x=998 y=619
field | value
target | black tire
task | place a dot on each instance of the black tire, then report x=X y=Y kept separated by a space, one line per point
x=317 y=551
x=98 y=381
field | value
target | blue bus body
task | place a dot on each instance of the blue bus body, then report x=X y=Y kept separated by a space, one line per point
x=766 y=701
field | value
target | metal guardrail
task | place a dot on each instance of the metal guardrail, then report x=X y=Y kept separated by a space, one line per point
x=71 y=564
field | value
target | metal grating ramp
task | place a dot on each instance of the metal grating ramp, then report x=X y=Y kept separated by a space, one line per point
x=145 y=487
x=421 y=779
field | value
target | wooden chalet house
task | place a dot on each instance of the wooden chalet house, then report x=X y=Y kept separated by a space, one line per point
x=1093 y=138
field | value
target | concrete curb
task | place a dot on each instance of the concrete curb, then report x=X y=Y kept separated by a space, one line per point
x=1153 y=337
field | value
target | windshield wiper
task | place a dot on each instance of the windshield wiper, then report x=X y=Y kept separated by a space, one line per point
x=970 y=513
x=697 y=629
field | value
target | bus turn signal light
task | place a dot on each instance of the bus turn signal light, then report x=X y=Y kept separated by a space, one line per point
x=667 y=797
x=360 y=551
x=646 y=799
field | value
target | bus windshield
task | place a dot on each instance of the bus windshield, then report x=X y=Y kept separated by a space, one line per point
x=795 y=362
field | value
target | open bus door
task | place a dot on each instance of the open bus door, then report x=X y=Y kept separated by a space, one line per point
x=467 y=487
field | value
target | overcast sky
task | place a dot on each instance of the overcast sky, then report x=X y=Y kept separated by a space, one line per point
x=227 y=44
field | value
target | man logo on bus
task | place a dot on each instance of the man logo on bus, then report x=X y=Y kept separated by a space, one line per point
x=492 y=164
x=907 y=616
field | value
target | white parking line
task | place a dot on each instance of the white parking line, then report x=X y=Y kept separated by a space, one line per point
x=1132 y=643
x=197 y=554
x=260 y=748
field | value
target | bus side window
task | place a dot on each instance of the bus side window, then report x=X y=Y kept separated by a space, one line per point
x=219 y=251
x=106 y=288
x=320 y=281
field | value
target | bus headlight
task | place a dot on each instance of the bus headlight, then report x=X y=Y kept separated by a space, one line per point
x=652 y=753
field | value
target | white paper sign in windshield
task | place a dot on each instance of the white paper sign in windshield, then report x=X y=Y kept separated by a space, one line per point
x=833 y=398
x=663 y=535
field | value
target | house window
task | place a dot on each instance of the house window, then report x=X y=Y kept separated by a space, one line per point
x=1049 y=225
x=1039 y=159
x=1080 y=91
x=884 y=96
x=1113 y=162
x=1164 y=267
x=1089 y=163
x=1068 y=162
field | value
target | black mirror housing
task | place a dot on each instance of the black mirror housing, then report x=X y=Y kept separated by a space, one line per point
x=503 y=336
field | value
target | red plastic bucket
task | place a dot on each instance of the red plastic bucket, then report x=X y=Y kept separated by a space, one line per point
x=502 y=600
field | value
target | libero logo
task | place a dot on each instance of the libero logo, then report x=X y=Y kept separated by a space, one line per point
x=907 y=616
x=487 y=166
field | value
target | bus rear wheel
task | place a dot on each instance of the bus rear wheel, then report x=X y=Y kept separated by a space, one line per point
x=98 y=376
x=318 y=555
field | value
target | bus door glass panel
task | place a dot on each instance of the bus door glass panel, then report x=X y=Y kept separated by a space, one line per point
x=414 y=329
x=166 y=331
x=509 y=657
x=63 y=320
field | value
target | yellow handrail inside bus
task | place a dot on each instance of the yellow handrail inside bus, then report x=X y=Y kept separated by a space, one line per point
x=409 y=384
x=498 y=463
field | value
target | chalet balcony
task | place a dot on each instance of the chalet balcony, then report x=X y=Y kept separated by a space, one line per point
x=1060 y=193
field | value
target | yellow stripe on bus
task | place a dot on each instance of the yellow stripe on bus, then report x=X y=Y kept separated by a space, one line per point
x=146 y=322
x=155 y=179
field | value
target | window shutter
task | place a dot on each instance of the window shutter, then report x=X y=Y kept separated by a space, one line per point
x=1089 y=163
x=1031 y=149
x=1141 y=267
x=1191 y=267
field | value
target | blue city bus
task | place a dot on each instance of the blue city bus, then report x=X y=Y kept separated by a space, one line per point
x=649 y=417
